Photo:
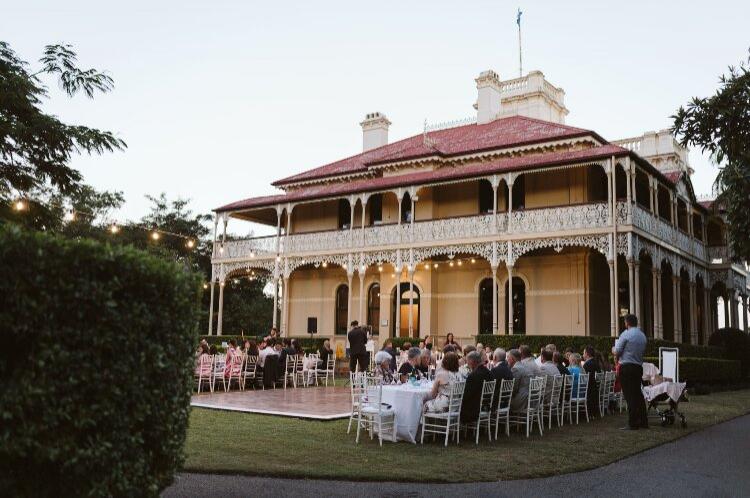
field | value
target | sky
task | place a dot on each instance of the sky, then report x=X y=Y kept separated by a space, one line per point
x=218 y=99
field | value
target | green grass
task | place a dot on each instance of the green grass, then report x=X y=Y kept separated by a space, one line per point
x=241 y=443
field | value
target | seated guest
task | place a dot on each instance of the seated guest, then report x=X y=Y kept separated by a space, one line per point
x=274 y=334
x=251 y=349
x=409 y=368
x=269 y=349
x=473 y=389
x=297 y=347
x=231 y=353
x=213 y=349
x=549 y=369
x=424 y=362
x=421 y=345
x=324 y=352
x=383 y=368
x=591 y=366
x=479 y=347
x=405 y=347
x=501 y=371
x=603 y=362
x=428 y=342
x=463 y=368
x=203 y=348
x=566 y=356
x=441 y=388
x=524 y=369
x=557 y=359
x=286 y=350
x=575 y=370
x=388 y=348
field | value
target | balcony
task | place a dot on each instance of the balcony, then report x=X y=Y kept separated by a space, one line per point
x=662 y=230
x=440 y=232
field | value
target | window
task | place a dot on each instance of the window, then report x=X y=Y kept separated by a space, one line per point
x=342 y=309
x=406 y=208
x=486 y=197
x=345 y=215
x=485 y=306
x=373 y=307
x=376 y=209
x=519 y=306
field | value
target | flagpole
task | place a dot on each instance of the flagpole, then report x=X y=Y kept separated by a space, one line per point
x=520 y=52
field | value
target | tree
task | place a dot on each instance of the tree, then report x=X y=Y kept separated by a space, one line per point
x=36 y=148
x=720 y=125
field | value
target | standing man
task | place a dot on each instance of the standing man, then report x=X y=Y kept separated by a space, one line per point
x=358 y=348
x=629 y=348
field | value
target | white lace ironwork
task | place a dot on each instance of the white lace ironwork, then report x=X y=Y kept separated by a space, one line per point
x=560 y=218
x=600 y=243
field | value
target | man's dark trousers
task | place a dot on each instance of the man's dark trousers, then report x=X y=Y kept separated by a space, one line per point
x=630 y=379
x=362 y=359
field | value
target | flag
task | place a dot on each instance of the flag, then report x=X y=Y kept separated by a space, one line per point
x=518 y=17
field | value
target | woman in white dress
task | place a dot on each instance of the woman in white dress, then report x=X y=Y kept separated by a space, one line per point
x=441 y=387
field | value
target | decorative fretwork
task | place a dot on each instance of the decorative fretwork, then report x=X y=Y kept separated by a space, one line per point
x=669 y=234
x=599 y=243
x=483 y=250
x=234 y=249
x=222 y=271
x=377 y=257
x=345 y=261
x=560 y=218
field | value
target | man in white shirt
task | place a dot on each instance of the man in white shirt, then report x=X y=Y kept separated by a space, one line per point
x=265 y=352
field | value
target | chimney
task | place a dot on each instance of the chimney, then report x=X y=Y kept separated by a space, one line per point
x=488 y=98
x=374 y=131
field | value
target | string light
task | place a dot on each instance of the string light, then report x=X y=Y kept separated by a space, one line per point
x=205 y=286
x=473 y=260
x=190 y=243
x=325 y=265
x=69 y=216
x=460 y=262
x=451 y=264
x=114 y=229
x=155 y=235
x=380 y=268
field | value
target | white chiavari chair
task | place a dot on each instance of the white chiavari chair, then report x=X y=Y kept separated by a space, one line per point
x=502 y=407
x=485 y=410
x=204 y=370
x=373 y=413
x=578 y=401
x=447 y=421
x=251 y=371
x=290 y=369
x=357 y=386
x=552 y=399
x=218 y=371
x=565 y=399
x=532 y=412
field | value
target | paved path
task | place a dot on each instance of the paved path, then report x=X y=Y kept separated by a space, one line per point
x=714 y=463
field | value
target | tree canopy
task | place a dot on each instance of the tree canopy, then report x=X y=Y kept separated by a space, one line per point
x=36 y=148
x=720 y=126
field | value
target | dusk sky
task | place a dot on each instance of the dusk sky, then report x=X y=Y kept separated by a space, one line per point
x=218 y=99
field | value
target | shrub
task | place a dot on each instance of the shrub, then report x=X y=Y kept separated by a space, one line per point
x=736 y=344
x=600 y=343
x=695 y=370
x=96 y=367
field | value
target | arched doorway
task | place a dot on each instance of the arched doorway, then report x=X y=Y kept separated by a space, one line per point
x=519 y=306
x=341 y=309
x=404 y=311
x=485 y=306
x=373 y=307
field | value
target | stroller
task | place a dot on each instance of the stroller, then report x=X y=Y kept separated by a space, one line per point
x=664 y=392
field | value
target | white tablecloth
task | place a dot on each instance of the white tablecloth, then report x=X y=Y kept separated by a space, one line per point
x=406 y=401
x=673 y=389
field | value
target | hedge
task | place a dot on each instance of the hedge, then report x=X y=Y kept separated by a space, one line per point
x=600 y=343
x=96 y=367
x=694 y=370
x=736 y=343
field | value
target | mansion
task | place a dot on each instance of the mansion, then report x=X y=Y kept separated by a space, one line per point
x=511 y=222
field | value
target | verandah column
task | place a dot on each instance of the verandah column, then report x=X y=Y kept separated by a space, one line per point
x=349 y=276
x=631 y=286
x=397 y=324
x=744 y=312
x=656 y=285
x=211 y=311
x=612 y=290
x=707 y=313
x=494 y=300
x=410 y=274
x=221 y=308
x=637 y=287
x=285 y=307
x=726 y=308
x=362 y=317
x=693 y=315
x=676 y=308
x=510 y=299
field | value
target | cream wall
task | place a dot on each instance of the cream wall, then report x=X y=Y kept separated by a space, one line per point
x=565 y=294
x=556 y=188
x=315 y=217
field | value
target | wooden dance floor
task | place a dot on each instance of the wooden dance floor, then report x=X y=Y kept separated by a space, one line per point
x=320 y=403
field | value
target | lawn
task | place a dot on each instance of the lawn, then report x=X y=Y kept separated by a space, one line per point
x=241 y=443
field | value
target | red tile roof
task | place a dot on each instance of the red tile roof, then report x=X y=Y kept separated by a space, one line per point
x=501 y=133
x=446 y=173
